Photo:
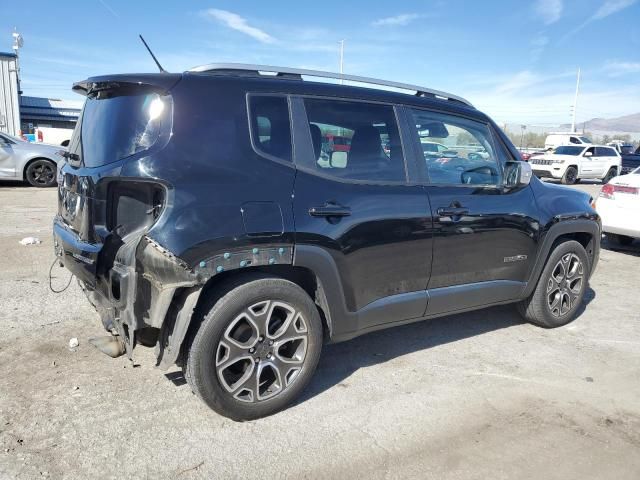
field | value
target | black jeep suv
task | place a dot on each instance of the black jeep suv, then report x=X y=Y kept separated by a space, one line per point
x=209 y=215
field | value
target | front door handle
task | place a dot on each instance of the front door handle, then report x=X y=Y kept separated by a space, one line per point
x=330 y=210
x=452 y=211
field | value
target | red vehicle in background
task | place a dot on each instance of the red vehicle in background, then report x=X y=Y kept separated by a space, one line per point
x=338 y=143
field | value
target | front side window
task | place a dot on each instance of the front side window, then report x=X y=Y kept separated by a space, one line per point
x=355 y=140
x=456 y=150
x=270 y=126
x=575 y=140
x=567 y=150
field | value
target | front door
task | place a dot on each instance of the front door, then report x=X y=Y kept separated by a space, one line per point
x=357 y=206
x=7 y=159
x=588 y=163
x=484 y=235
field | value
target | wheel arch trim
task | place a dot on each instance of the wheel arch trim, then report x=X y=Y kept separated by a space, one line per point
x=556 y=231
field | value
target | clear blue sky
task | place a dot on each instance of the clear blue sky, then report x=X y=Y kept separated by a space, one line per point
x=516 y=60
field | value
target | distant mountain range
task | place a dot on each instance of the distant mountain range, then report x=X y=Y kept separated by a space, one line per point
x=626 y=124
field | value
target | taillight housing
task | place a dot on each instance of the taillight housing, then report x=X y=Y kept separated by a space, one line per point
x=609 y=190
x=133 y=205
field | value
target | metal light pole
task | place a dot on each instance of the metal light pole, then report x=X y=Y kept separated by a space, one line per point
x=575 y=103
x=18 y=43
x=341 y=60
x=523 y=128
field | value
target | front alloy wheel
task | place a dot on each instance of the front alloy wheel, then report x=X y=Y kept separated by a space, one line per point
x=557 y=297
x=565 y=285
x=41 y=173
x=570 y=176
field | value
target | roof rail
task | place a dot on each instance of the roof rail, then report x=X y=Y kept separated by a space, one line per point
x=298 y=72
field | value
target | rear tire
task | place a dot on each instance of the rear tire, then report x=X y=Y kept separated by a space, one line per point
x=620 y=239
x=610 y=174
x=560 y=289
x=570 y=176
x=256 y=348
x=41 y=173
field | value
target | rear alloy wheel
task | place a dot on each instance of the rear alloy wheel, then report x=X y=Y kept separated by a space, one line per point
x=570 y=176
x=610 y=174
x=256 y=349
x=560 y=289
x=41 y=173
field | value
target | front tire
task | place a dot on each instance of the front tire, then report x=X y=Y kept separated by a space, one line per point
x=570 y=176
x=560 y=289
x=256 y=349
x=41 y=173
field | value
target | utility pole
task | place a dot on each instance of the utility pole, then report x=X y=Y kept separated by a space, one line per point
x=341 y=60
x=523 y=128
x=575 y=103
x=18 y=43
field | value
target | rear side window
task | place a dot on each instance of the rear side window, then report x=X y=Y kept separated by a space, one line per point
x=116 y=127
x=355 y=140
x=456 y=150
x=270 y=126
x=603 y=152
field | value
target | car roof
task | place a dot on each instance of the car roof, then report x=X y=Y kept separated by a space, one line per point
x=291 y=86
x=287 y=85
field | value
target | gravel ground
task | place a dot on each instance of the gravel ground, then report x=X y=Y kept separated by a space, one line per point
x=478 y=395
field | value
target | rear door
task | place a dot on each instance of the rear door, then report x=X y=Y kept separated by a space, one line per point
x=357 y=206
x=484 y=234
x=601 y=161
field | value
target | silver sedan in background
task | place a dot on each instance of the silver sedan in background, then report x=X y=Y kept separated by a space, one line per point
x=34 y=162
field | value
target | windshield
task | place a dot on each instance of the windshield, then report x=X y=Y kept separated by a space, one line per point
x=116 y=127
x=626 y=149
x=585 y=140
x=569 y=150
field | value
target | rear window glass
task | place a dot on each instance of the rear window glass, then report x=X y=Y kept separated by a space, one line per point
x=270 y=126
x=117 y=127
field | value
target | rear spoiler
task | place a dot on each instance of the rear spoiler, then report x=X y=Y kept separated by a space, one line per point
x=161 y=82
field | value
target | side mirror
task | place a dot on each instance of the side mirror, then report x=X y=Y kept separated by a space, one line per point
x=588 y=154
x=517 y=174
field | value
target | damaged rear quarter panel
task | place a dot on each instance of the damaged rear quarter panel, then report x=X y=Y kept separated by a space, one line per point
x=204 y=229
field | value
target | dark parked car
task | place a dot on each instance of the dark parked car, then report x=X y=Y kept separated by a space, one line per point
x=630 y=158
x=238 y=255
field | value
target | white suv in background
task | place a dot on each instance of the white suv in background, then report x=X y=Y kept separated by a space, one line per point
x=570 y=163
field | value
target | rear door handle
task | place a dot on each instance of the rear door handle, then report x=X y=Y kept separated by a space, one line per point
x=330 y=210
x=452 y=211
